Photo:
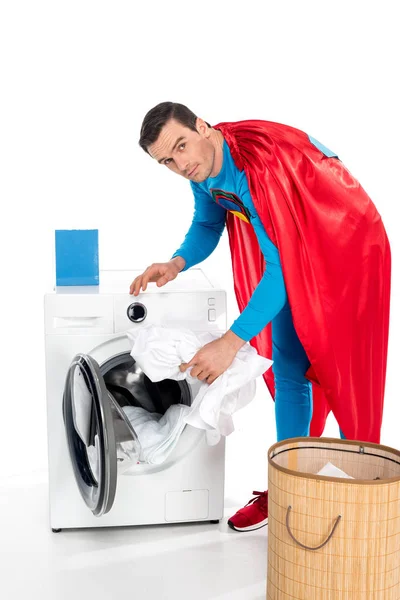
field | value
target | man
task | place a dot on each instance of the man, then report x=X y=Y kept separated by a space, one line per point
x=311 y=264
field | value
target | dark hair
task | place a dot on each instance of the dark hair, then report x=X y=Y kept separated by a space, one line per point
x=158 y=116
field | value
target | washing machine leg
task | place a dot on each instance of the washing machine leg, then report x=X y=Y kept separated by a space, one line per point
x=215 y=521
x=56 y=530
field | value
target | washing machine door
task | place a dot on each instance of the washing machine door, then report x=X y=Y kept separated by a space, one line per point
x=97 y=430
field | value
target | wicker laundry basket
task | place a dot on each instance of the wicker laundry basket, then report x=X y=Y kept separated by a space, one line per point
x=332 y=538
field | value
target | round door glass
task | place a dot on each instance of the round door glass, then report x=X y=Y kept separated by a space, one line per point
x=85 y=435
x=100 y=437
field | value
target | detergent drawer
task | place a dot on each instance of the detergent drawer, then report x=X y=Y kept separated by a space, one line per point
x=78 y=314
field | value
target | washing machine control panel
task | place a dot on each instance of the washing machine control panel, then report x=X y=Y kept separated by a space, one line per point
x=200 y=310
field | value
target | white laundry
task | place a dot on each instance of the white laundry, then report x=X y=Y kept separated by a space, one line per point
x=127 y=456
x=157 y=434
x=329 y=470
x=159 y=352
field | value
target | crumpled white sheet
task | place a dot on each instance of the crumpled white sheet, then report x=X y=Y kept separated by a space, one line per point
x=159 y=351
x=157 y=434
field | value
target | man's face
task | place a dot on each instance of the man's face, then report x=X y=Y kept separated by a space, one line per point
x=186 y=152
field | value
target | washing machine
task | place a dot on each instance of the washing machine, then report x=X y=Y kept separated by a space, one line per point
x=96 y=477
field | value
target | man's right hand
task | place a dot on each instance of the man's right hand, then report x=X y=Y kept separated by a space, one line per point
x=161 y=273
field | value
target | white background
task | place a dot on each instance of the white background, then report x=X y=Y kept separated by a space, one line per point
x=76 y=81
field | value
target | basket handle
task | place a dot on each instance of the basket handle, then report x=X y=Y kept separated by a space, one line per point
x=310 y=547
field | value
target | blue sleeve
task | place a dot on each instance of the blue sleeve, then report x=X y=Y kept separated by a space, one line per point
x=205 y=231
x=270 y=296
x=266 y=302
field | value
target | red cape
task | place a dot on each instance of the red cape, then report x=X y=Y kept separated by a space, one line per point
x=335 y=258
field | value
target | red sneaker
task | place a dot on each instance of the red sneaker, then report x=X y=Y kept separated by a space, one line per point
x=252 y=516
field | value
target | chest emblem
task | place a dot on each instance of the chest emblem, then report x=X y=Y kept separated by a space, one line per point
x=231 y=202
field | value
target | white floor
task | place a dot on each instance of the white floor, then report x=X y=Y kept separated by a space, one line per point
x=200 y=562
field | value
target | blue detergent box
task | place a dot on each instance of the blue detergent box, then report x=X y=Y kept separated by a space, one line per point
x=77 y=257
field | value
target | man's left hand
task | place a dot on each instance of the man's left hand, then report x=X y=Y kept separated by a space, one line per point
x=214 y=358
